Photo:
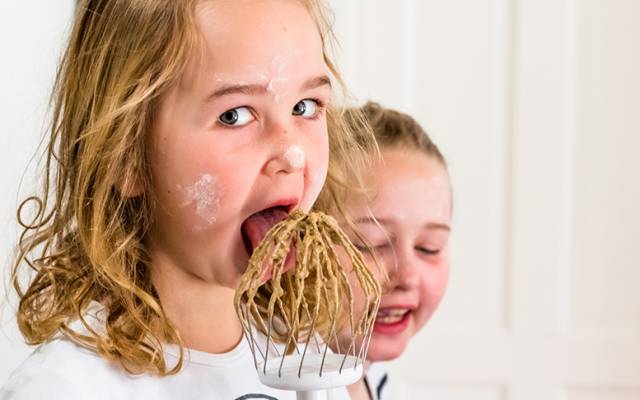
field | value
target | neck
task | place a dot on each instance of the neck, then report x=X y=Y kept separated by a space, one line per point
x=359 y=390
x=202 y=312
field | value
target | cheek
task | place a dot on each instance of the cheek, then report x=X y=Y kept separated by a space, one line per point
x=203 y=197
x=317 y=149
x=380 y=267
x=216 y=178
x=195 y=172
x=193 y=189
x=316 y=139
x=314 y=182
x=433 y=284
x=317 y=164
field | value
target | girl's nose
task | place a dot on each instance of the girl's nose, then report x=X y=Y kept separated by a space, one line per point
x=404 y=273
x=287 y=159
x=282 y=139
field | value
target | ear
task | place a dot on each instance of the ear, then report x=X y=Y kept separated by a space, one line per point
x=129 y=185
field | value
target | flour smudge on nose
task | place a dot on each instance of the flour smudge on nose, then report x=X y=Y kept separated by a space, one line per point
x=295 y=156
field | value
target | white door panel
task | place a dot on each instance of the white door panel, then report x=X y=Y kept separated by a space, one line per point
x=536 y=104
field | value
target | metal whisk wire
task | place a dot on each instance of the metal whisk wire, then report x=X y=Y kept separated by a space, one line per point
x=300 y=323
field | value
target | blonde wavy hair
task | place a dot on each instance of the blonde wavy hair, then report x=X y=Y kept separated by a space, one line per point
x=86 y=240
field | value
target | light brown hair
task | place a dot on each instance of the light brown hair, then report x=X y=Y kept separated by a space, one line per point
x=394 y=129
x=86 y=242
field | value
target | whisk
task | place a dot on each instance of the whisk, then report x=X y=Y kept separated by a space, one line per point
x=308 y=328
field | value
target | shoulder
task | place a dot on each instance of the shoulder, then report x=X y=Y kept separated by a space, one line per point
x=59 y=369
x=38 y=385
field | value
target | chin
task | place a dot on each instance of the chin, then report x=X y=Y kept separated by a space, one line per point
x=385 y=349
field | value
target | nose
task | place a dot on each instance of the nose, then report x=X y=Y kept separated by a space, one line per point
x=287 y=156
x=403 y=273
x=287 y=160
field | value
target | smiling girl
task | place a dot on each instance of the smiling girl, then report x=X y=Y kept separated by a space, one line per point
x=403 y=223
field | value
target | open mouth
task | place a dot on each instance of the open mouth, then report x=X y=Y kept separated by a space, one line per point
x=392 y=320
x=391 y=315
x=255 y=228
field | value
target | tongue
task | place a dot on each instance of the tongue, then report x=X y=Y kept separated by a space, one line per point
x=257 y=225
x=255 y=229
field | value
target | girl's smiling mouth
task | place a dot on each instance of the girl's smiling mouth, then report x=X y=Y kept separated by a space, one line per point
x=392 y=320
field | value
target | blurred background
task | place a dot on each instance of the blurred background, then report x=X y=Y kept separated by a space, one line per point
x=536 y=105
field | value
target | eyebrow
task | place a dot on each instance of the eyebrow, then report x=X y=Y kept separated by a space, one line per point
x=316 y=82
x=386 y=221
x=256 y=89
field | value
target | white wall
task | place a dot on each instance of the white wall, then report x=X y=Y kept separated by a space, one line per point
x=536 y=103
x=31 y=35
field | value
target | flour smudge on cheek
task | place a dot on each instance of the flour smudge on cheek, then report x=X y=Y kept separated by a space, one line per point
x=205 y=194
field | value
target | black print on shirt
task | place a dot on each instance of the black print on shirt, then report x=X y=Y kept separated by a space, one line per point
x=256 y=396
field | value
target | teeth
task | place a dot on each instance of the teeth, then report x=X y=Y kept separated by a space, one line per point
x=392 y=312
x=391 y=315
x=388 y=320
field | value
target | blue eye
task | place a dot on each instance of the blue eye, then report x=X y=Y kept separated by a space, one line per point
x=306 y=108
x=238 y=116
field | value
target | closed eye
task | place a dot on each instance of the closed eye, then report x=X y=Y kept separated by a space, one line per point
x=427 y=251
x=365 y=249
x=361 y=247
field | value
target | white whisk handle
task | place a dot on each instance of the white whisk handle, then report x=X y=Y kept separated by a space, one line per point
x=312 y=395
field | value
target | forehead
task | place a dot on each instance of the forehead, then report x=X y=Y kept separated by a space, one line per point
x=412 y=186
x=240 y=35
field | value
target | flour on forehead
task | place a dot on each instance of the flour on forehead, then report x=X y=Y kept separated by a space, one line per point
x=205 y=193
x=273 y=75
x=278 y=65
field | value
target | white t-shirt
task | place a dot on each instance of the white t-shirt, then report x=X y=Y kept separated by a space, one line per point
x=381 y=387
x=376 y=381
x=61 y=369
